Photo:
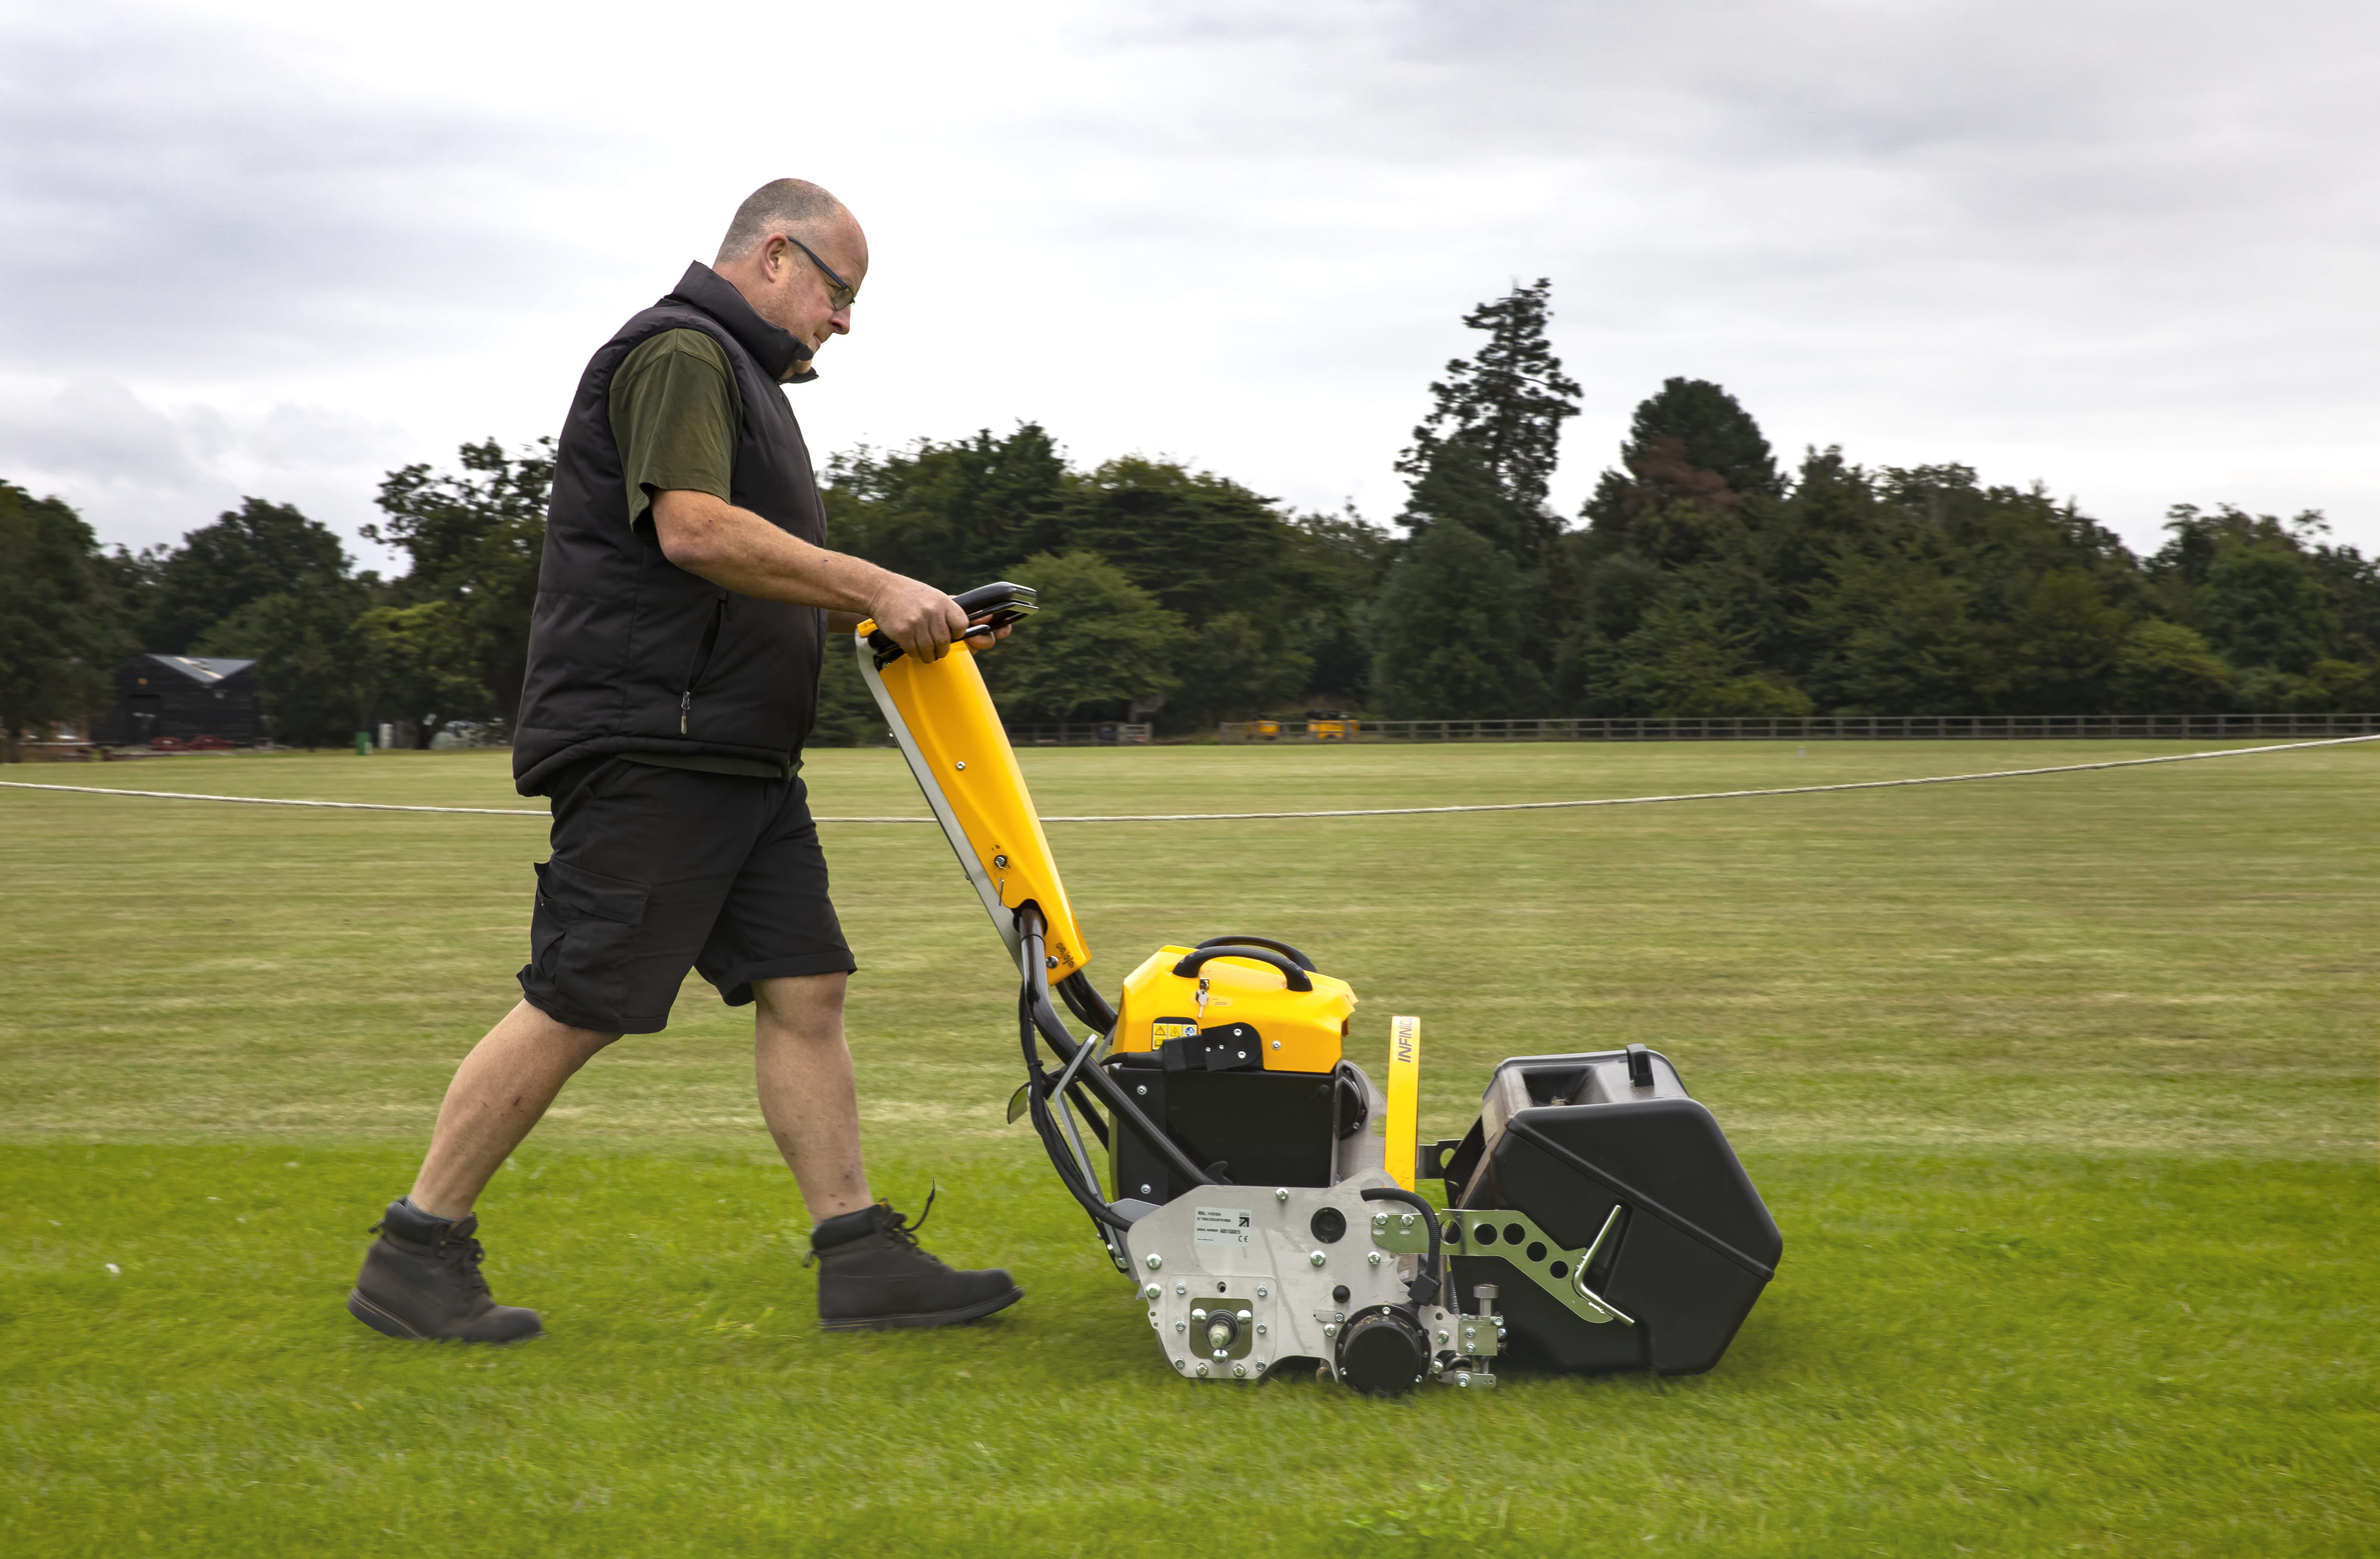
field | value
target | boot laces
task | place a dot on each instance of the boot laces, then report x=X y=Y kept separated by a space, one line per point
x=464 y=1254
x=897 y=1227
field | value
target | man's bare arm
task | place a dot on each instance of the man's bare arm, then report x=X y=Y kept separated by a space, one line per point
x=738 y=550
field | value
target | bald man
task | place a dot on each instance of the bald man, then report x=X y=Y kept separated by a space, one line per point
x=684 y=601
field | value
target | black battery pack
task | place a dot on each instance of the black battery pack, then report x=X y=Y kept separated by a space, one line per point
x=1604 y=1205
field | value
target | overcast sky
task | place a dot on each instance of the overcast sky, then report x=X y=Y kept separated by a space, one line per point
x=2122 y=249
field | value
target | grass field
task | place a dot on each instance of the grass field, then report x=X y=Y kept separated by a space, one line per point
x=2062 y=1089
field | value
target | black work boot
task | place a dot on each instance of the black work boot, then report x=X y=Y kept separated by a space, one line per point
x=872 y=1276
x=421 y=1279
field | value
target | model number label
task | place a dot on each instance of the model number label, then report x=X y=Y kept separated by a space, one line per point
x=1231 y=1226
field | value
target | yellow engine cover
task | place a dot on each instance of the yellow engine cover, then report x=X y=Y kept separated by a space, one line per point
x=1300 y=1030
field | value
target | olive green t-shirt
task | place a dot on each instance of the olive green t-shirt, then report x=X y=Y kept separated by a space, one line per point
x=675 y=412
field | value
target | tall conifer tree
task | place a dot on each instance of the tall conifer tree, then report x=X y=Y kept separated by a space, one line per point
x=1484 y=455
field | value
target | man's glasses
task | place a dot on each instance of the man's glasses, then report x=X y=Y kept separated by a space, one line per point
x=843 y=295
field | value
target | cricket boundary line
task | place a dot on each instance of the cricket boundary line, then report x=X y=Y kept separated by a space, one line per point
x=1260 y=817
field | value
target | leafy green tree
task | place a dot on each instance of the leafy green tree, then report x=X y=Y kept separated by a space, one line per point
x=1483 y=456
x=261 y=548
x=60 y=627
x=2063 y=647
x=311 y=676
x=2165 y=669
x=1692 y=445
x=847 y=715
x=954 y=514
x=1099 y=639
x=475 y=539
x=1446 y=634
x=423 y=664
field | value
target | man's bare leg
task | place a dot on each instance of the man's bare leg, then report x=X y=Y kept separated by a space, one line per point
x=499 y=1092
x=872 y=1273
x=803 y=1067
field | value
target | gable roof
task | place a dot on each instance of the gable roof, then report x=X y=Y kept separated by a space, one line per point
x=205 y=669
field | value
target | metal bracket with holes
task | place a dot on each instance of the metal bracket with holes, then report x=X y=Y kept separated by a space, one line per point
x=1559 y=1271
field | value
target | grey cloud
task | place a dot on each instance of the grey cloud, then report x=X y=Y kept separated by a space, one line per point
x=182 y=194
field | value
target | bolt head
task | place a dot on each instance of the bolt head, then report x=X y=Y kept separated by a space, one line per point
x=1280 y=1193
x=1143 y=1092
x=1276 y=1044
x=1181 y=1288
x=1198 y=1312
x=1181 y=1325
x=1318 y=1258
x=999 y=860
x=1261 y=1328
x=1330 y=1328
x=1241 y=1371
x=1144 y=1191
x=1263 y=1291
x=1461 y=1378
x=1151 y=1291
x=1246 y=1316
x=1374 y=1258
x=1202 y=1368
x=1155 y=1261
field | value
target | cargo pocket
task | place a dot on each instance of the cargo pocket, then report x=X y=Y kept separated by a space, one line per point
x=581 y=942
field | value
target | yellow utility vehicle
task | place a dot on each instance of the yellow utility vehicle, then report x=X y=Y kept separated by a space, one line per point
x=1256 y=1188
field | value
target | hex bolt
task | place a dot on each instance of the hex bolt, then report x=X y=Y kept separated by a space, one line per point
x=1374 y=1258
x=1263 y=1291
x=1241 y=1371
x=999 y=860
x=1182 y=1363
x=1181 y=1325
x=1202 y=1368
x=1280 y=1193
x=1261 y=1328
x=1318 y=1258
x=1181 y=1288
x=1462 y=1377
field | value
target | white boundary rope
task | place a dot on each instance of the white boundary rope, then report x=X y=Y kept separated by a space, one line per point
x=1256 y=817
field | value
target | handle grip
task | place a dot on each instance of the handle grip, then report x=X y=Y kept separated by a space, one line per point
x=999 y=604
x=1296 y=976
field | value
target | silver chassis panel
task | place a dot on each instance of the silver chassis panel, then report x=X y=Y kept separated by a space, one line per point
x=1253 y=1249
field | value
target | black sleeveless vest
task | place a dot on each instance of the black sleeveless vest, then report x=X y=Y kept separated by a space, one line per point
x=627 y=652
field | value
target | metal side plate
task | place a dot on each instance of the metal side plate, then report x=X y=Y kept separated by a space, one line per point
x=1537 y=1257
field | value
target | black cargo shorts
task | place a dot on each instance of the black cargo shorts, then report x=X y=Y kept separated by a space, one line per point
x=656 y=871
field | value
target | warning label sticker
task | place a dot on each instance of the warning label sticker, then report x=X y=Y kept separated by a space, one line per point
x=1233 y=1227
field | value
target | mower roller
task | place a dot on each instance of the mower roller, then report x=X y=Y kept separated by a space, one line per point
x=1257 y=1189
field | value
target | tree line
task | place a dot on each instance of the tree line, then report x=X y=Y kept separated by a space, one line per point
x=1700 y=578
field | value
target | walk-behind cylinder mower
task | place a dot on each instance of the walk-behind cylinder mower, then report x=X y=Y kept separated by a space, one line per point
x=1263 y=1198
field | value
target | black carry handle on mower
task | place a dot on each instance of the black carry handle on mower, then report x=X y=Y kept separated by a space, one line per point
x=999 y=605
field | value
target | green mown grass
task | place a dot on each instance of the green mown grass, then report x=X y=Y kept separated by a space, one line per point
x=2061 y=1088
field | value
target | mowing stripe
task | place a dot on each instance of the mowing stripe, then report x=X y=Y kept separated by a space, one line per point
x=1260 y=816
